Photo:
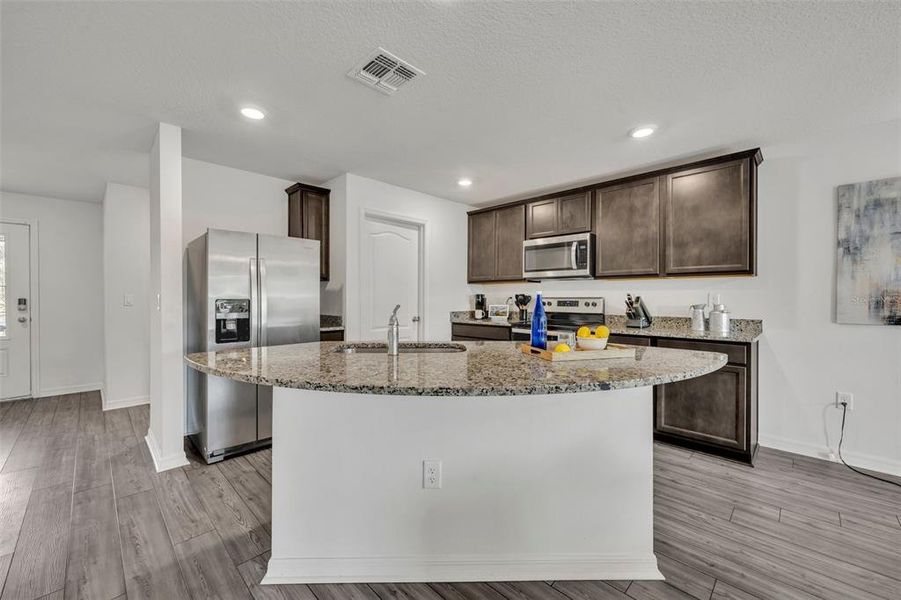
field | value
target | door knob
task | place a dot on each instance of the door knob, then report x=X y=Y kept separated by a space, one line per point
x=416 y=319
x=23 y=319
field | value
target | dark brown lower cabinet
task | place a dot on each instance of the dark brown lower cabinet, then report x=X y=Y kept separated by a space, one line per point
x=632 y=340
x=462 y=332
x=715 y=413
x=331 y=336
x=709 y=409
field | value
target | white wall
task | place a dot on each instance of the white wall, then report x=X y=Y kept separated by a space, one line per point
x=224 y=198
x=446 y=288
x=70 y=322
x=804 y=356
x=126 y=272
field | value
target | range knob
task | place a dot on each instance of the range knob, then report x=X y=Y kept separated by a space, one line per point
x=594 y=303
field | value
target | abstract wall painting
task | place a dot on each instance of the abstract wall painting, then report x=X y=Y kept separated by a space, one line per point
x=868 y=264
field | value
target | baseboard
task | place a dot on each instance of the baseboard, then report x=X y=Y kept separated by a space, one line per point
x=68 y=389
x=161 y=463
x=864 y=461
x=125 y=402
x=459 y=569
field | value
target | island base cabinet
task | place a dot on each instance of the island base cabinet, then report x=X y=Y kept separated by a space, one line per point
x=715 y=413
x=533 y=487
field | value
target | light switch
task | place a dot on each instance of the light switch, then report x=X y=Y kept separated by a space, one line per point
x=128 y=300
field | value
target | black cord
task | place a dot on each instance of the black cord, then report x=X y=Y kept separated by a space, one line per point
x=842 y=438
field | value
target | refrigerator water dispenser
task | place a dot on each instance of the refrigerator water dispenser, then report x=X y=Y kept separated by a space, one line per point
x=232 y=321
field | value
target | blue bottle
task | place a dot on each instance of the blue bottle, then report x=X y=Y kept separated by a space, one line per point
x=539 y=324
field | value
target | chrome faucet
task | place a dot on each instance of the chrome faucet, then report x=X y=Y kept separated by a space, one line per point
x=393 y=332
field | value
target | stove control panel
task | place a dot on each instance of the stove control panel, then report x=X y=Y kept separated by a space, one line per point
x=578 y=305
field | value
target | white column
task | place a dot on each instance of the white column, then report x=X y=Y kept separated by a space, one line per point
x=167 y=396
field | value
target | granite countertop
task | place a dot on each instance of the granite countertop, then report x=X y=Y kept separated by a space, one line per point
x=331 y=323
x=741 y=330
x=484 y=369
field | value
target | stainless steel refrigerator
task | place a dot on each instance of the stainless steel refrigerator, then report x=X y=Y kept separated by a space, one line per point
x=243 y=290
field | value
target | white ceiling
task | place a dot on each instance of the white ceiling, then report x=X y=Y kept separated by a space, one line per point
x=518 y=96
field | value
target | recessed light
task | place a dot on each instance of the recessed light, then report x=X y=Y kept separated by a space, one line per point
x=643 y=131
x=464 y=182
x=253 y=113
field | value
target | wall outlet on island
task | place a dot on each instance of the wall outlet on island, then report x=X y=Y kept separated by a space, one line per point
x=844 y=398
x=431 y=474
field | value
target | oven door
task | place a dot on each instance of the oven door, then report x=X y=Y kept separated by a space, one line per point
x=569 y=256
x=554 y=337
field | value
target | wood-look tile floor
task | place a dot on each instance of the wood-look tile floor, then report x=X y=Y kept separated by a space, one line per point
x=84 y=515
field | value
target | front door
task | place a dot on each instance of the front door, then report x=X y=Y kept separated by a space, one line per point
x=389 y=275
x=15 y=311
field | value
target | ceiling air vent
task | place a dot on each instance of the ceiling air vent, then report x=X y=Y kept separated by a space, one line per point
x=385 y=72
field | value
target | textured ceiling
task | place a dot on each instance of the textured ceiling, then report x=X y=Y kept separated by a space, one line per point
x=519 y=96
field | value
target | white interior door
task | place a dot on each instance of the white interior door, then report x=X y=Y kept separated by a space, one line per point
x=389 y=275
x=15 y=311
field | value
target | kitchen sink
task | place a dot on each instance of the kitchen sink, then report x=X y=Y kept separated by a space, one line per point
x=408 y=348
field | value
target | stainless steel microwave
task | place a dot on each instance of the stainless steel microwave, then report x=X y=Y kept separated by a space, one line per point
x=565 y=256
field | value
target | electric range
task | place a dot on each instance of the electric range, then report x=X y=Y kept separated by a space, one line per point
x=565 y=314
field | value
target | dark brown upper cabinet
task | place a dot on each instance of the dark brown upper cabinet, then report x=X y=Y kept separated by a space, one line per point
x=483 y=246
x=308 y=218
x=627 y=228
x=495 y=244
x=559 y=216
x=709 y=218
x=510 y=233
x=693 y=219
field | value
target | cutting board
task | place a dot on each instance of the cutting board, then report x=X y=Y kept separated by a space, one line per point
x=611 y=351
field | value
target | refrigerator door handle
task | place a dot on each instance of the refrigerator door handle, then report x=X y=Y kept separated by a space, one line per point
x=254 y=304
x=264 y=302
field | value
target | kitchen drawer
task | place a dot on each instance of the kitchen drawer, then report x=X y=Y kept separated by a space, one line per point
x=632 y=340
x=480 y=332
x=737 y=353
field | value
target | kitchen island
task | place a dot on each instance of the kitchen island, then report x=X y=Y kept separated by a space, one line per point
x=462 y=462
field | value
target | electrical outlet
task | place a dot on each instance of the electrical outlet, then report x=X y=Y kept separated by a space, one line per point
x=128 y=300
x=844 y=397
x=431 y=474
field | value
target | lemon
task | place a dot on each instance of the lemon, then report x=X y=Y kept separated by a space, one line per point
x=561 y=347
x=583 y=332
x=602 y=331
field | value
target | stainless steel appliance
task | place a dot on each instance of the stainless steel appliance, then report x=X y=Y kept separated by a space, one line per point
x=481 y=306
x=243 y=290
x=565 y=315
x=564 y=256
